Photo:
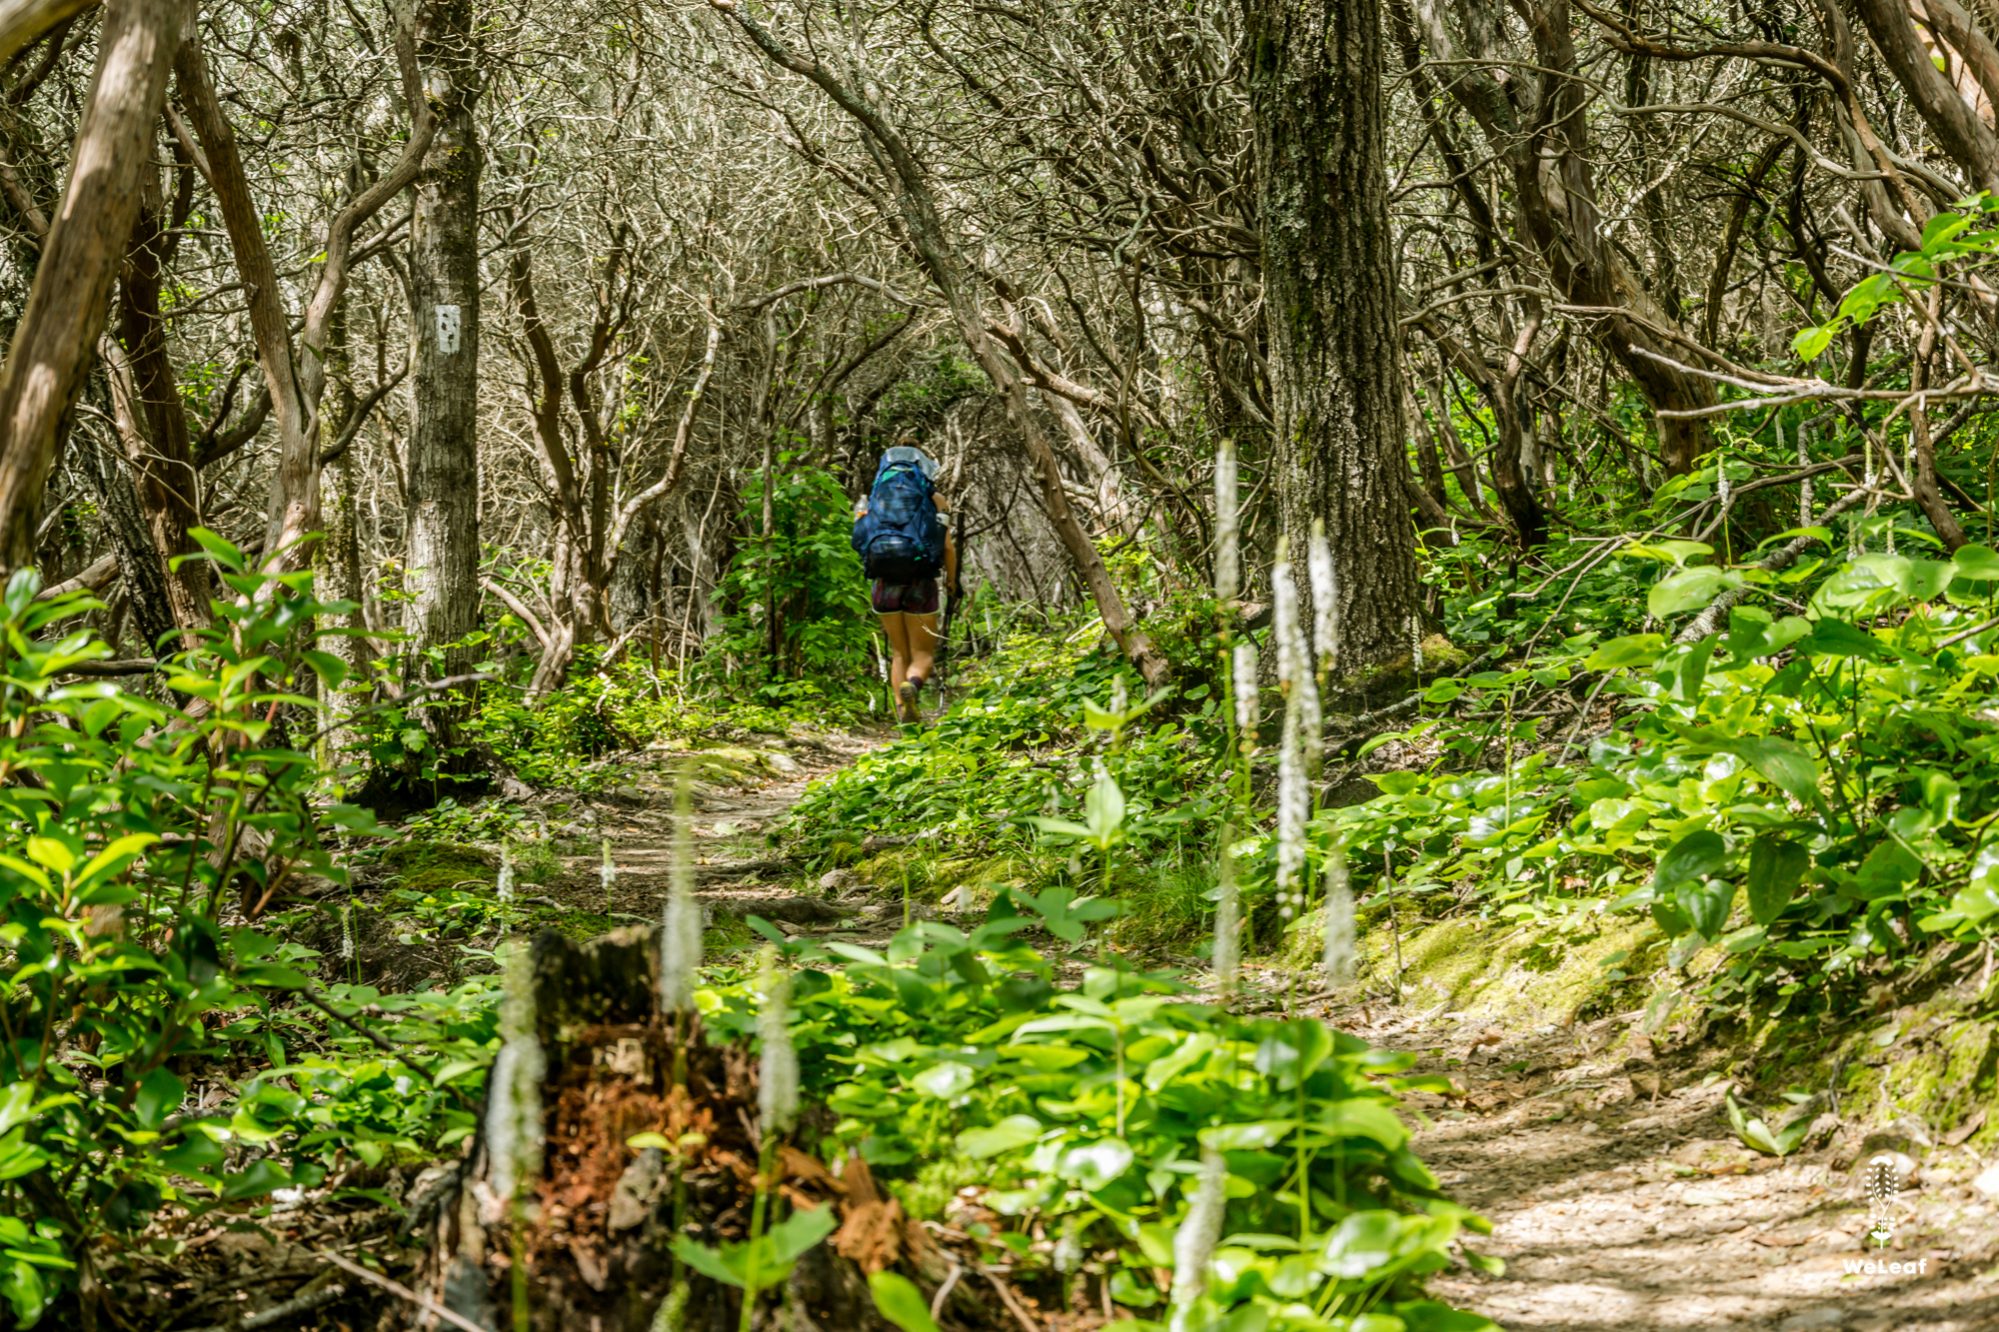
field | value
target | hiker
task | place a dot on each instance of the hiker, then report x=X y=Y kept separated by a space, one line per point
x=902 y=534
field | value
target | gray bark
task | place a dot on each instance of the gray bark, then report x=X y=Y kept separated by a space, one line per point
x=442 y=566
x=1329 y=309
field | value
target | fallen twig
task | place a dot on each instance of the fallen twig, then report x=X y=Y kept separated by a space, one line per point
x=312 y=1297
x=401 y=1291
x=1011 y=1301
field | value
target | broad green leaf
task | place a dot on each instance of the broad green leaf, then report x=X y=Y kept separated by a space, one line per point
x=1360 y=1244
x=898 y=1300
x=1094 y=1165
x=1706 y=903
x=1622 y=653
x=1695 y=856
x=1247 y=1137
x=805 y=1227
x=1690 y=589
x=1793 y=771
x=1811 y=342
x=1776 y=865
x=944 y=1080
x=1888 y=868
x=1977 y=563
x=160 y=1094
x=51 y=854
x=993 y=1139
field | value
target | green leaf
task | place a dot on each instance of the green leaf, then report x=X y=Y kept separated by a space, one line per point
x=1360 y=1244
x=51 y=854
x=259 y=1179
x=1253 y=1136
x=1012 y=1132
x=1103 y=810
x=1095 y=1164
x=898 y=1300
x=945 y=1081
x=1776 y=865
x=195 y=1154
x=218 y=550
x=1707 y=903
x=160 y=1094
x=22 y=1285
x=1785 y=764
x=1837 y=638
x=1689 y=589
x=1811 y=342
x=1977 y=563
x=1621 y=653
x=800 y=1231
x=1695 y=856
x=1888 y=868
x=708 y=1260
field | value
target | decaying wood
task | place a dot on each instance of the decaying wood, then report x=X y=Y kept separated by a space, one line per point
x=596 y=1232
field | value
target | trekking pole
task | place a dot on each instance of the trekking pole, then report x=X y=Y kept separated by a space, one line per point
x=943 y=655
x=944 y=634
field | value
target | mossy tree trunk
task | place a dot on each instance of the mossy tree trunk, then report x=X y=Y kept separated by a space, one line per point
x=1334 y=347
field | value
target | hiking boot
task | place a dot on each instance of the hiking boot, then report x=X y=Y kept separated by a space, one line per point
x=908 y=702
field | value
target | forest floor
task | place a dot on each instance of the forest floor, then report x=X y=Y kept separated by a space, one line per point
x=1619 y=1196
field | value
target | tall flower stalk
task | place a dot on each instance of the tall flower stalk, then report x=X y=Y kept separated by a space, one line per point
x=1337 y=960
x=1325 y=600
x=680 y=932
x=1228 y=526
x=1301 y=727
x=1228 y=921
x=777 y=1107
x=1200 y=1230
x=513 y=1107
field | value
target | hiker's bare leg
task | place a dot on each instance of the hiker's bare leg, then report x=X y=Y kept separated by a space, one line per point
x=920 y=631
x=895 y=627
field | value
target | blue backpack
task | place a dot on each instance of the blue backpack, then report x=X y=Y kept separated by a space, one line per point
x=900 y=537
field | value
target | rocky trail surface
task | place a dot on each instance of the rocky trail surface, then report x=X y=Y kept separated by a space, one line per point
x=739 y=796
x=1621 y=1199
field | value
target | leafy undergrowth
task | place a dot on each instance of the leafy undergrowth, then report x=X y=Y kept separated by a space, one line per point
x=1784 y=822
x=1063 y=1127
x=169 y=1059
x=1785 y=826
x=954 y=806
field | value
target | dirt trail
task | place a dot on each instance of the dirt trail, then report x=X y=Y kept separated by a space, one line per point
x=1621 y=1199
x=739 y=795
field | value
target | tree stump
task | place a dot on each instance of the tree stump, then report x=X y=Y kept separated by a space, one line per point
x=593 y=1236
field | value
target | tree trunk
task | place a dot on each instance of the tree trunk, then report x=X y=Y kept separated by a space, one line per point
x=442 y=568
x=164 y=479
x=67 y=303
x=339 y=556
x=1314 y=69
x=131 y=538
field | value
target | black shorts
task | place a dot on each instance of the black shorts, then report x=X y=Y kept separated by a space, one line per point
x=918 y=598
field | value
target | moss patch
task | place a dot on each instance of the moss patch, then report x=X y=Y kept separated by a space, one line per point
x=926 y=874
x=1934 y=1063
x=1515 y=976
x=432 y=867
